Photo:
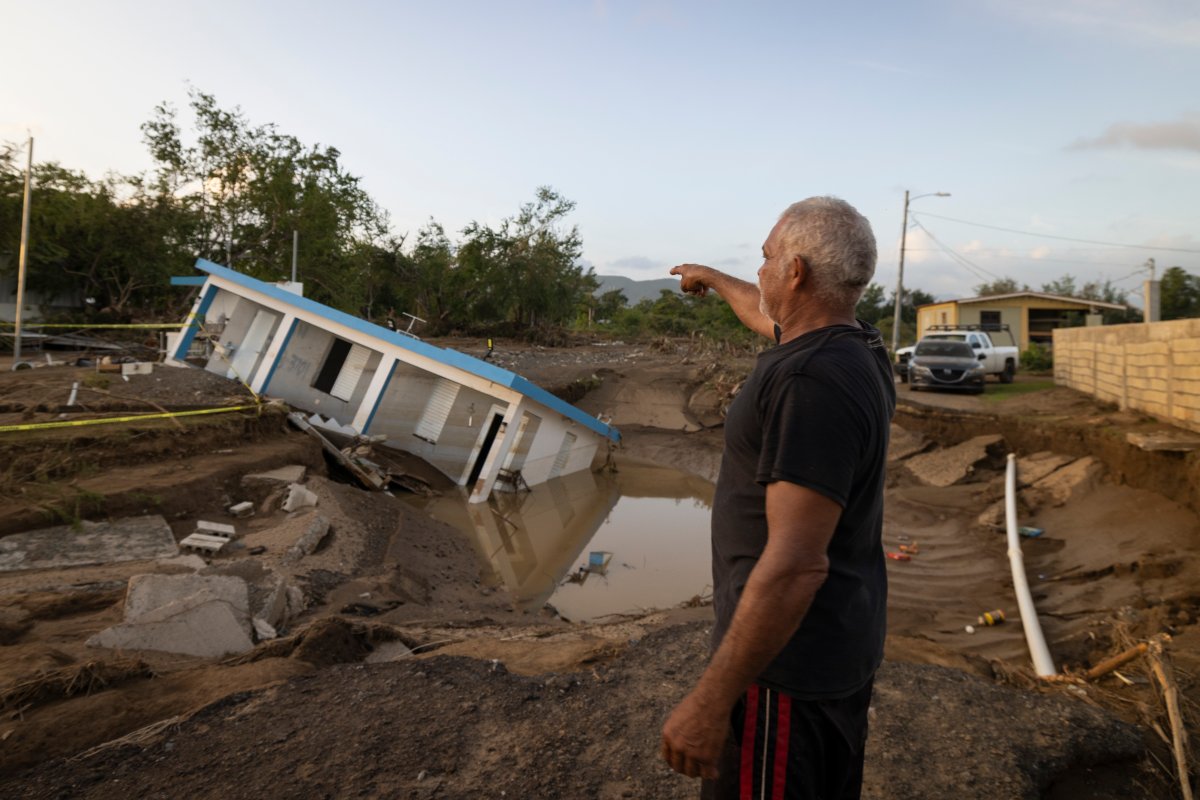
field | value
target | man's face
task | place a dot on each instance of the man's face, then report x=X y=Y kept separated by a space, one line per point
x=771 y=277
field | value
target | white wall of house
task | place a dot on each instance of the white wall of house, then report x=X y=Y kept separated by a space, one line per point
x=299 y=365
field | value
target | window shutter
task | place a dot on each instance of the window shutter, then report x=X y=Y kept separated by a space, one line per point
x=437 y=410
x=352 y=370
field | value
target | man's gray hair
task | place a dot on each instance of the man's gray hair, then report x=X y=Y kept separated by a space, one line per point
x=836 y=243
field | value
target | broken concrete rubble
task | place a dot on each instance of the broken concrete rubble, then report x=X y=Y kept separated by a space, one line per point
x=130 y=539
x=298 y=497
x=208 y=630
x=951 y=465
x=293 y=473
x=308 y=541
x=206 y=616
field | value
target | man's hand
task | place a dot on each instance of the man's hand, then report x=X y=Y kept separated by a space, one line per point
x=693 y=278
x=693 y=736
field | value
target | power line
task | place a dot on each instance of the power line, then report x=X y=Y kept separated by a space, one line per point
x=1032 y=259
x=979 y=271
x=1062 y=238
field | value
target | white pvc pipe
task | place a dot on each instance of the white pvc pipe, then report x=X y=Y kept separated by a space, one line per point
x=1042 y=662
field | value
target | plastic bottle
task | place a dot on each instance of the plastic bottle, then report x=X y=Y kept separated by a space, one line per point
x=993 y=617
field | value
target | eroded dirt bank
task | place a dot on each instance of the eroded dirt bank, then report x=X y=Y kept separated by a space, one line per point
x=526 y=705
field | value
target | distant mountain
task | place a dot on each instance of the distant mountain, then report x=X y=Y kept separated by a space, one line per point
x=636 y=291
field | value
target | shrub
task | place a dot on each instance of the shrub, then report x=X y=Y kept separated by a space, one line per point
x=1038 y=358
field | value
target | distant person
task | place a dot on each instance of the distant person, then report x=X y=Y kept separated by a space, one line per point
x=391 y=320
x=800 y=584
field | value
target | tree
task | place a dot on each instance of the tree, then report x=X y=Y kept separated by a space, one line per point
x=1179 y=294
x=526 y=271
x=1107 y=293
x=109 y=240
x=1064 y=286
x=247 y=188
x=872 y=306
x=1000 y=286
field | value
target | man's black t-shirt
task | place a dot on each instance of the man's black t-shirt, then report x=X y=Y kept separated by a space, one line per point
x=814 y=412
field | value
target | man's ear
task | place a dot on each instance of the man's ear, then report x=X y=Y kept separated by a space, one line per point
x=799 y=272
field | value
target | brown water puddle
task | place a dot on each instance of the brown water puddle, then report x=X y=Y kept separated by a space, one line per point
x=593 y=543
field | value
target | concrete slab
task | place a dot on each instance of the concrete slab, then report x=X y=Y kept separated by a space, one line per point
x=149 y=594
x=293 y=473
x=1174 y=441
x=130 y=539
x=208 y=630
x=950 y=465
x=1032 y=468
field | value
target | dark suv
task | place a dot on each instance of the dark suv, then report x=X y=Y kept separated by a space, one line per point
x=945 y=364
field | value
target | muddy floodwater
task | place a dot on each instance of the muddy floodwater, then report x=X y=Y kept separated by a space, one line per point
x=593 y=543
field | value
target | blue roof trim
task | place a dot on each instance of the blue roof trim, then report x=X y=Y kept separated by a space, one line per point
x=451 y=358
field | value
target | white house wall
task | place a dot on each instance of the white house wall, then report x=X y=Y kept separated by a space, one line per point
x=239 y=316
x=300 y=364
x=404 y=401
x=544 y=449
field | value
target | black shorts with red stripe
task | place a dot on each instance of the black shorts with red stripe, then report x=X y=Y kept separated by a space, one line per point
x=784 y=748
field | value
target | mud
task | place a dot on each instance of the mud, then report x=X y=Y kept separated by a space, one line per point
x=484 y=701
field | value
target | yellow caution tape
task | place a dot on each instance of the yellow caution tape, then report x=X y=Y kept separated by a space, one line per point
x=74 y=423
x=88 y=327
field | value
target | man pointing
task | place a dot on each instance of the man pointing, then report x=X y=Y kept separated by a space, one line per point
x=800 y=585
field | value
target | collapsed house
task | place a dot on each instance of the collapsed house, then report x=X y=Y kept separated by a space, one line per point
x=474 y=421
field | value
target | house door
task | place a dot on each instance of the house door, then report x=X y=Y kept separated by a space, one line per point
x=253 y=343
x=485 y=448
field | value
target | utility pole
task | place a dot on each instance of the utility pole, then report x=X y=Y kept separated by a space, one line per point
x=900 y=280
x=295 y=248
x=900 y=272
x=22 y=257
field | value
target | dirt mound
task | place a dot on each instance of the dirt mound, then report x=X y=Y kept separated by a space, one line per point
x=464 y=728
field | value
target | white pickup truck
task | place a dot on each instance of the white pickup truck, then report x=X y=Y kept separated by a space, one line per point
x=998 y=360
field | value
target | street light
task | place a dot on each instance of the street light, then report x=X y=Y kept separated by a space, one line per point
x=900 y=274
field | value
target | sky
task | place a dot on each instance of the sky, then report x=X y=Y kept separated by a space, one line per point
x=1067 y=132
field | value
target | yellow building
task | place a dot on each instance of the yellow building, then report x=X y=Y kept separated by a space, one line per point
x=1030 y=316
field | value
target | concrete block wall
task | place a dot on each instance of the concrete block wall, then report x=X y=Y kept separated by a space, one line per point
x=1153 y=368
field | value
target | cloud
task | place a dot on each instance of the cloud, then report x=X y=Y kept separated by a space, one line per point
x=1040 y=252
x=1152 y=22
x=1183 y=134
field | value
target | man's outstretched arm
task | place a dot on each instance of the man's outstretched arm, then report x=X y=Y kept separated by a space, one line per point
x=777 y=595
x=742 y=296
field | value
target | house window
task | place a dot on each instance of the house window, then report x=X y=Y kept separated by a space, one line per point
x=344 y=365
x=437 y=411
x=943 y=317
x=989 y=320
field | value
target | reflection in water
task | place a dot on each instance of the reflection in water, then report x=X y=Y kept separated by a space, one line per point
x=593 y=544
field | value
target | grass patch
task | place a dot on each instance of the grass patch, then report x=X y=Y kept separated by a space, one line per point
x=999 y=392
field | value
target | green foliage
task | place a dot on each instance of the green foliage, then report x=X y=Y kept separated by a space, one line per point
x=245 y=188
x=1038 y=358
x=1000 y=286
x=873 y=306
x=1179 y=294
x=673 y=314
